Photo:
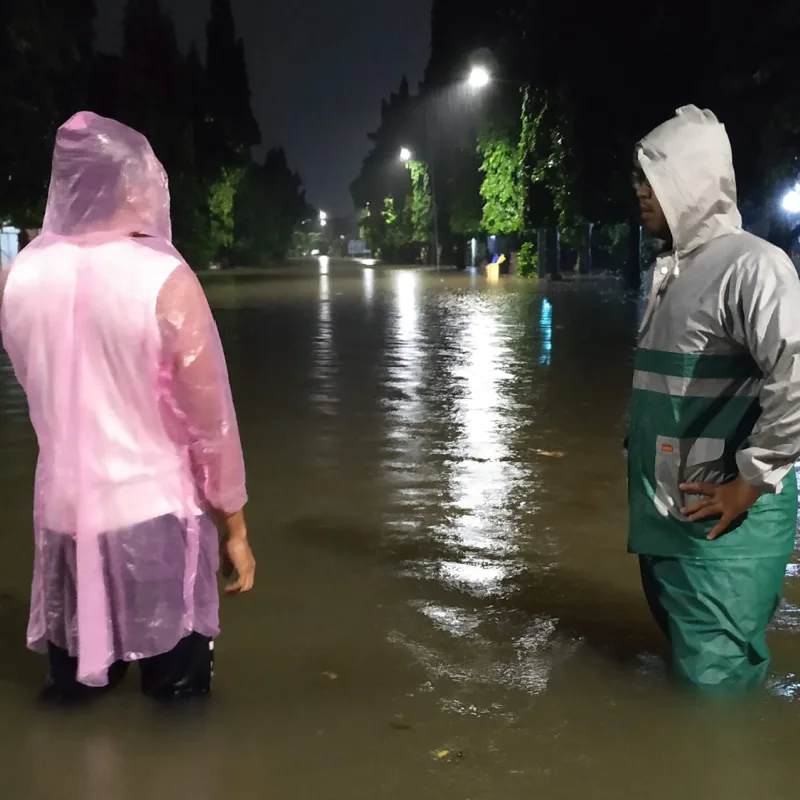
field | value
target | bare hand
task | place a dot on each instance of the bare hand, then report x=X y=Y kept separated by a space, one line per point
x=728 y=501
x=238 y=557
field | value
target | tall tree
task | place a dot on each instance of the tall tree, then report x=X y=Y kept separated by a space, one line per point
x=382 y=174
x=45 y=52
x=233 y=127
x=151 y=89
x=160 y=98
x=384 y=188
x=268 y=207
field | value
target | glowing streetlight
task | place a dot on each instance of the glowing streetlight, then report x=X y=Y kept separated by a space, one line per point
x=405 y=154
x=479 y=78
x=791 y=201
x=323 y=218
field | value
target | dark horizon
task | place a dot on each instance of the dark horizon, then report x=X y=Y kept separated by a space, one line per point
x=320 y=115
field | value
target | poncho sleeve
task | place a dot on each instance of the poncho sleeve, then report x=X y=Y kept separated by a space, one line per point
x=200 y=392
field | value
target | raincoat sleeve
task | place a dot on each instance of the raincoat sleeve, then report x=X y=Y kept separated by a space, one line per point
x=764 y=307
x=200 y=392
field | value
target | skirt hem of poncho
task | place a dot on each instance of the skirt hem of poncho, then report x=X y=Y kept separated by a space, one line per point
x=40 y=646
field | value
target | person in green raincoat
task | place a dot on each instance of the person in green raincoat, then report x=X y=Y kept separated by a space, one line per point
x=715 y=412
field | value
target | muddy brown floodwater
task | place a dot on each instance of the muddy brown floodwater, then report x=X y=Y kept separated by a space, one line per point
x=445 y=608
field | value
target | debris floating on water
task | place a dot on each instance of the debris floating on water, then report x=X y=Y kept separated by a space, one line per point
x=448 y=755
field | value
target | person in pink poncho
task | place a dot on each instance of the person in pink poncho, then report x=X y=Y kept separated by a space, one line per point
x=112 y=339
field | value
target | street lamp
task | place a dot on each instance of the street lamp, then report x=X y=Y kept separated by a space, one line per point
x=323 y=218
x=791 y=201
x=479 y=77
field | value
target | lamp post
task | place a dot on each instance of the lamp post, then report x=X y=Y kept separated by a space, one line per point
x=479 y=78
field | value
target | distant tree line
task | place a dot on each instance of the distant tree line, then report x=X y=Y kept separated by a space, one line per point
x=226 y=207
x=544 y=155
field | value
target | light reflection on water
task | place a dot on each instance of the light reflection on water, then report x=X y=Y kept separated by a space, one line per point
x=369 y=285
x=476 y=474
x=546 y=327
x=406 y=366
x=482 y=475
x=324 y=356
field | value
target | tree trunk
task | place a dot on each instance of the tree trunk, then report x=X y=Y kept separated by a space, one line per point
x=585 y=255
x=633 y=267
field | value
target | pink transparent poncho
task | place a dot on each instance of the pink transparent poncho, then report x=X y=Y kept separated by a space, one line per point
x=112 y=339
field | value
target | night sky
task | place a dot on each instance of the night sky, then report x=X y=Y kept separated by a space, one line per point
x=318 y=72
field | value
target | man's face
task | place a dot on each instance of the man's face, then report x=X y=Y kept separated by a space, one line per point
x=650 y=209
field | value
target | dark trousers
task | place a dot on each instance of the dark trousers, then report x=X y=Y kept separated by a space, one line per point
x=183 y=672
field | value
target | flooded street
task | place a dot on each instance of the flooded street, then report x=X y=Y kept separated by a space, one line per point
x=444 y=608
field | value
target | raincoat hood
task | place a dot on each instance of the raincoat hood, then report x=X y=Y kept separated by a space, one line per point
x=106 y=179
x=689 y=164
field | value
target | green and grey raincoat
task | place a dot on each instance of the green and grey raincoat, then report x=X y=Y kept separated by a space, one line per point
x=717 y=376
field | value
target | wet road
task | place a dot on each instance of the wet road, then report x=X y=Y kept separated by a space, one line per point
x=445 y=608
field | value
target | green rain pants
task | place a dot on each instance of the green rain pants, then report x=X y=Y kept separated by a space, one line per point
x=715 y=613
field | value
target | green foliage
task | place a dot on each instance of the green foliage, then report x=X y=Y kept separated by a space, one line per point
x=546 y=163
x=389 y=215
x=268 y=205
x=503 y=202
x=421 y=203
x=221 y=198
x=389 y=233
x=399 y=228
x=528 y=261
